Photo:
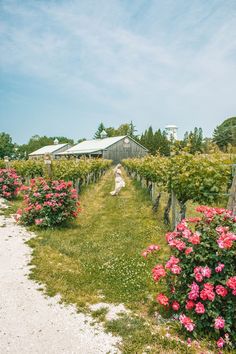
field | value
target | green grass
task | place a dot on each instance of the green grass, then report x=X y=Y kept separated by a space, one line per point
x=98 y=259
x=13 y=206
x=101 y=254
x=140 y=336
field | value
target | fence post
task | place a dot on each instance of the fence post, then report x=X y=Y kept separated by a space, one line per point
x=48 y=165
x=6 y=160
x=232 y=197
x=77 y=186
x=174 y=212
x=153 y=191
x=87 y=180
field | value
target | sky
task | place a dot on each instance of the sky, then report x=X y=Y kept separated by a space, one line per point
x=67 y=65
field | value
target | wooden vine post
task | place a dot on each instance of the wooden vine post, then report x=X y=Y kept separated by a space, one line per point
x=77 y=184
x=232 y=196
x=48 y=165
x=7 y=163
x=174 y=211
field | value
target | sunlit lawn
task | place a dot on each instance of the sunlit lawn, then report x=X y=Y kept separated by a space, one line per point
x=98 y=259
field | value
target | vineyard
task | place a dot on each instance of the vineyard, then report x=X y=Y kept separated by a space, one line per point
x=81 y=171
x=88 y=246
x=202 y=179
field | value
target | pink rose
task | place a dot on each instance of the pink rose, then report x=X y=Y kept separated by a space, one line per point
x=194 y=293
x=158 y=272
x=194 y=239
x=206 y=272
x=175 y=269
x=219 y=268
x=189 y=305
x=198 y=277
x=173 y=260
x=220 y=343
x=231 y=283
x=188 y=250
x=220 y=290
x=219 y=323
x=199 y=308
x=38 y=221
x=187 y=322
x=162 y=299
x=175 y=305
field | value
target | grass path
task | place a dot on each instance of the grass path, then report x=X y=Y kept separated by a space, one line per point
x=101 y=254
x=98 y=259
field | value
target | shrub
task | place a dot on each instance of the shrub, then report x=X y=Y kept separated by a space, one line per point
x=200 y=275
x=9 y=183
x=48 y=203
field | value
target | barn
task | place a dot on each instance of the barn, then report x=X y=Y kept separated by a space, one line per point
x=49 y=150
x=114 y=148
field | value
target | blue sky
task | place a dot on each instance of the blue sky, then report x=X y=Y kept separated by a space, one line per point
x=67 y=65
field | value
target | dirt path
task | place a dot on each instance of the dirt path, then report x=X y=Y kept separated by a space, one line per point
x=32 y=323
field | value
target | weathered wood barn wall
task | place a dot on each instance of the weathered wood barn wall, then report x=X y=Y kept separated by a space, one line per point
x=123 y=149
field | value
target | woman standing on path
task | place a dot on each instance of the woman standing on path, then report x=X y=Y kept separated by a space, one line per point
x=119 y=182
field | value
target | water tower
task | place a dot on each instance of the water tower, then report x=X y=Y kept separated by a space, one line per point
x=171 y=132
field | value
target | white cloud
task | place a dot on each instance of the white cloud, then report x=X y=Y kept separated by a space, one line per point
x=166 y=59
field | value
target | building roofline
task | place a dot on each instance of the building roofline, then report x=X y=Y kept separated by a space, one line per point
x=62 y=145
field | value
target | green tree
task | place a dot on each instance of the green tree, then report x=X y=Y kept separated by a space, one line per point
x=6 y=145
x=36 y=142
x=225 y=133
x=132 y=130
x=111 y=131
x=161 y=143
x=81 y=140
x=193 y=141
x=97 y=134
x=147 y=140
x=123 y=129
x=156 y=142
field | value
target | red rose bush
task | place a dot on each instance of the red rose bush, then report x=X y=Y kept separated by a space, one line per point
x=9 y=183
x=48 y=203
x=201 y=275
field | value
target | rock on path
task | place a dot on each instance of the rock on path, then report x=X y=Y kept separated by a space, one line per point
x=31 y=323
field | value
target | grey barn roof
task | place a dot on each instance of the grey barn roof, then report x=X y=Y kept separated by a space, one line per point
x=95 y=146
x=48 y=149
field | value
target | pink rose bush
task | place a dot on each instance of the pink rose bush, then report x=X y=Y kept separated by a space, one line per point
x=48 y=203
x=200 y=275
x=9 y=183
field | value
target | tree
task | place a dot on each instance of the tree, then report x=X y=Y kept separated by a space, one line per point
x=81 y=140
x=6 y=145
x=225 y=133
x=193 y=141
x=132 y=130
x=36 y=142
x=111 y=131
x=101 y=127
x=155 y=142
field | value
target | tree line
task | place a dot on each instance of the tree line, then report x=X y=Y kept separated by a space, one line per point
x=156 y=141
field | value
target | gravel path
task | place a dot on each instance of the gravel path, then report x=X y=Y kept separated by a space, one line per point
x=32 y=323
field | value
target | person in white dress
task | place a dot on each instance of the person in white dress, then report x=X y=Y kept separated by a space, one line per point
x=119 y=182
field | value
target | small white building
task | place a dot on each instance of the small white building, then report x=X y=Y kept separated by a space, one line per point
x=49 y=150
x=171 y=132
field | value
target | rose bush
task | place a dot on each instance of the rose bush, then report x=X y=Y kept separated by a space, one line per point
x=200 y=275
x=9 y=183
x=48 y=203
